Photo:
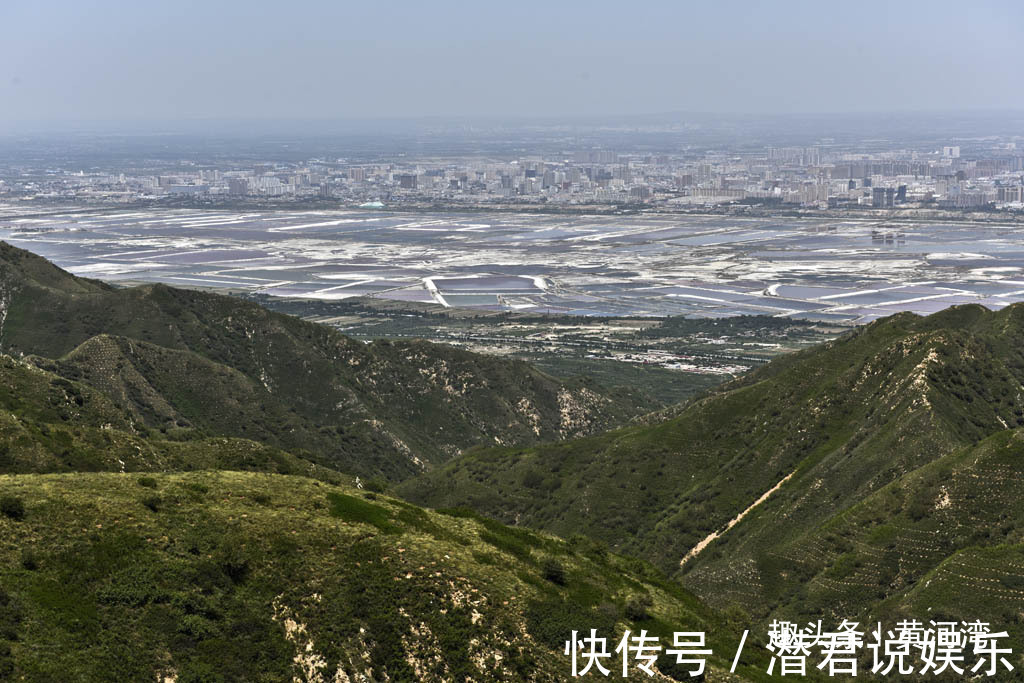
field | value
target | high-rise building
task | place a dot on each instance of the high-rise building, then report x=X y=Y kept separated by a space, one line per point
x=640 y=192
x=883 y=197
x=238 y=186
x=1011 y=193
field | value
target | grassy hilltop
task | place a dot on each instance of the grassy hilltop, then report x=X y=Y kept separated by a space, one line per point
x=231 y=576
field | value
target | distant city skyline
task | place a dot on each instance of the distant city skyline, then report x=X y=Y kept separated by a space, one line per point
x=114 y=60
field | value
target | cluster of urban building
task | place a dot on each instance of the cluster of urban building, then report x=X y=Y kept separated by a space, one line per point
x=988 y=175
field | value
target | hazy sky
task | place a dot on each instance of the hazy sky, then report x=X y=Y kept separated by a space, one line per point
x=89 y=60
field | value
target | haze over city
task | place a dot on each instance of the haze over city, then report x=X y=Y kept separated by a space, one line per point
x=65 y=63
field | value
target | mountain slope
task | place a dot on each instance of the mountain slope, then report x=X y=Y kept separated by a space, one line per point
x=384 y=408
x=828 y=427
x=945 y=540
x=51 y=424
x=239 y=576
x=184 y=395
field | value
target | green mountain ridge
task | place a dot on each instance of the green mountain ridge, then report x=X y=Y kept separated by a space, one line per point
x=384 y=408
x=835 y=425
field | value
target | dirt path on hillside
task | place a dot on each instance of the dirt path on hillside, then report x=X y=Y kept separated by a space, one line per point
x=695 y=550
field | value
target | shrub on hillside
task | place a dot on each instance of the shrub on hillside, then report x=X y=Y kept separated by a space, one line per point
x=637 y=607
x=12 y=507
x=553 y=571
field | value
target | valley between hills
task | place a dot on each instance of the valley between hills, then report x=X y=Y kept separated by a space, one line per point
x=197 y=488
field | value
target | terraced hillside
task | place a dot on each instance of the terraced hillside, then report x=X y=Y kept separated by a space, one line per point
x=946 y=540
x=182 y=361
x=830 y=428
x=220 y=576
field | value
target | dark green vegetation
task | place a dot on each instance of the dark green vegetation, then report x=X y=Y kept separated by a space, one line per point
x=665 y=387
x=870 y=430
x=613 y=351
x=183 y=365
x=234 y=576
